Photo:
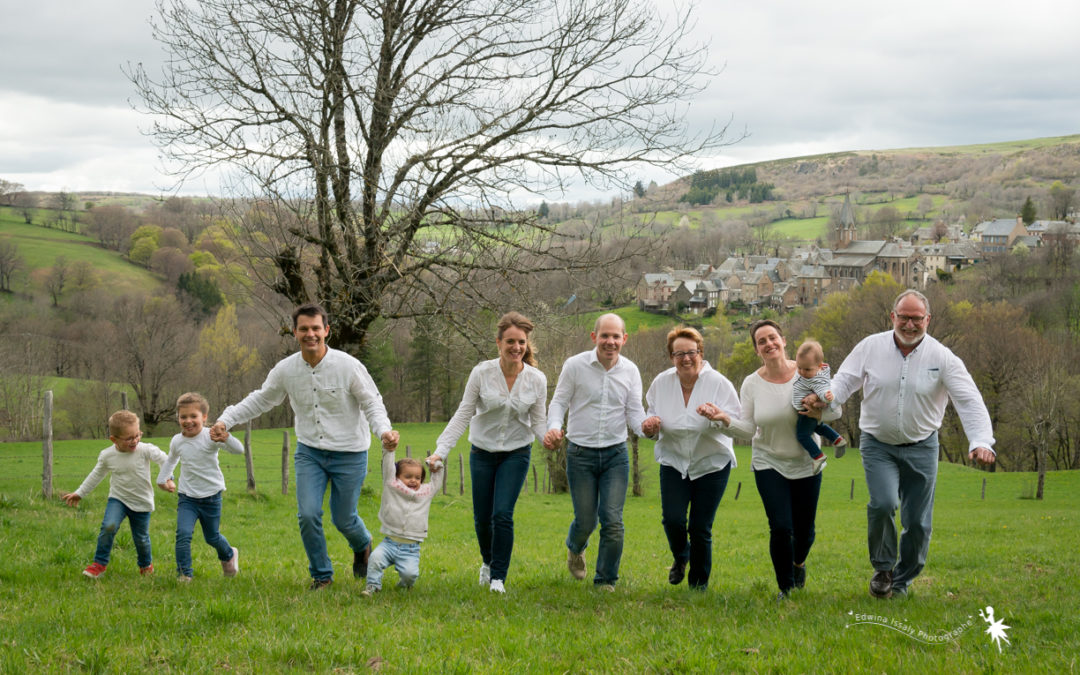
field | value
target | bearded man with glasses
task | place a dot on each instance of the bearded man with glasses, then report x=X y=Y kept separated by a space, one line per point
x=907 y=378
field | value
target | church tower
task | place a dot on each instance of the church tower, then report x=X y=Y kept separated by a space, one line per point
x=844 y=233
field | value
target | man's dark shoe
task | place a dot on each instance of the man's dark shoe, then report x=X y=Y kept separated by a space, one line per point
x=881 y=584
x=799 y=573
x=359 y=562
x=677 y=572
x=319 y=584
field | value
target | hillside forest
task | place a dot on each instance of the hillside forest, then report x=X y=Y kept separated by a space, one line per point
x=106 y=293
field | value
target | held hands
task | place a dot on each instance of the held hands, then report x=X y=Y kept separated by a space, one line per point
x=218 y=432
x=71 y=499
x=168 y=486
x=713 y=413
x=552 y=438
x=390 y=440
x=651 y=426
x=983 y=455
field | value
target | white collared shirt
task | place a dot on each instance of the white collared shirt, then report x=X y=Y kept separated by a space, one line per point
x=689 y=442
x=601 y=402
x=200 y=472
x=129 y=475
x=904 y=398
x=498 y=419
x=332 y=402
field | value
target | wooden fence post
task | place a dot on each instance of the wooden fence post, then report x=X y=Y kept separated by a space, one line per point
x=47 y=446
x=534 y=479
x=123 y=400
x=285 y=462
x=461 y=473
x=408 y=451
x=984 y=489
x=852 y=495
x=738 y=489
x=247 y=458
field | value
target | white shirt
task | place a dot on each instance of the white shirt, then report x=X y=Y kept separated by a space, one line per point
x=332 y=402
x=130 y=479
x=601 y=402
x=689 y=442
x=498 y=419
x=769 y=419
x=904 y=398
x=200 y=473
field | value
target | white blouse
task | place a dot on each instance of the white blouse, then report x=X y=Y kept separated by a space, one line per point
x=498 y=419
x=689 y=442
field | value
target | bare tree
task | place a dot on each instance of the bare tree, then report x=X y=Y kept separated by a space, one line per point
x=8 y=189
x=10 y=262
x=57 y=279
x=382 y=141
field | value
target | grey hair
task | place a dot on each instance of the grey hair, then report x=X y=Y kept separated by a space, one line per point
x=919 y=296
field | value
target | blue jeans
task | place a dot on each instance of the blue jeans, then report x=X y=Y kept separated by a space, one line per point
x=497 y=478
x=115 y=512
x=598 y=478
x=206 y=510
x=806 y=427
x=791 y=507
x=345 y=471
x=905 y=477
x=702 y=496
x=404 y=557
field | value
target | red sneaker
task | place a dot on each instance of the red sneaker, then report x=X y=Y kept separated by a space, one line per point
x=94 y=570
x=148 y=570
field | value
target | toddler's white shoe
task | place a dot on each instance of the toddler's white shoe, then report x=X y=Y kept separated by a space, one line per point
x=497 y=586
x=485 y=574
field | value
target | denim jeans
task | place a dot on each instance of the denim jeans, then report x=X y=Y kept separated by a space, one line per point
x=702 y=496
x=598 y=478
x=497 y=478
x=806 y=427
x=206 y=510
x=345 y=472
x=115 y=512
x=791 y=506
x=404 y=557
x=904 y=477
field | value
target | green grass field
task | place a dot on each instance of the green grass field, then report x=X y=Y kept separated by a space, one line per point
x=41 y=246
x=1016 y=555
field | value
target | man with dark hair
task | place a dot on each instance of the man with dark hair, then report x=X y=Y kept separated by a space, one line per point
x=336 y=406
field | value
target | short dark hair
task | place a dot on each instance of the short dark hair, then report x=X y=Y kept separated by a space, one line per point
x=310 y=309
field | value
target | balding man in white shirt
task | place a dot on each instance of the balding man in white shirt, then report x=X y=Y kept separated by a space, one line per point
x=601 y=391
x=907 y=378
x=336 y=406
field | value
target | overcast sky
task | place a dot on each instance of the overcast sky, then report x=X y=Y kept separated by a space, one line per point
x=800 y=77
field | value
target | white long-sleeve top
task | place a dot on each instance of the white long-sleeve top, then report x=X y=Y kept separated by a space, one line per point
x=200 y=472
x=904 y=397
x=333 y=402
x=601 y=402
x=768 y=420
x=498 y=419
x=129 y=475
x=404 y=511
x=689 y=442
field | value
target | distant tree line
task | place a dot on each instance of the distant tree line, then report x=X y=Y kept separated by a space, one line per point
x=735 y=184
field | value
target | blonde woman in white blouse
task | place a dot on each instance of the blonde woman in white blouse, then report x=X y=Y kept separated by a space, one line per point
x=695 y=456
x=503 y=408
